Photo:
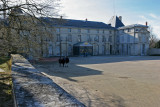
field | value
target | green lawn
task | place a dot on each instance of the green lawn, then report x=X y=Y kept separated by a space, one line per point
x=6 y=98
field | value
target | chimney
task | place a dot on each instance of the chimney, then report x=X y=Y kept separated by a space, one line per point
x=146 y=23
x=86 y=19
x=61 y=17
x=120 y=18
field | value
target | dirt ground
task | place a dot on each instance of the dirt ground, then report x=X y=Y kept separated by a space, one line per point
x=115 y=81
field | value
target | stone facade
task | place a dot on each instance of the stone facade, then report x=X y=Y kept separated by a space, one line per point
x=133 y=40
x=101 y=39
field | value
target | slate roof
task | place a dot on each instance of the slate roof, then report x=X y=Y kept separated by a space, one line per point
x=76 y=23
x=131 y=26
x=115 y=22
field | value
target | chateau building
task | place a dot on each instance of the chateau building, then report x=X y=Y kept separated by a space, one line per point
x=76 y=37
x=79 y=37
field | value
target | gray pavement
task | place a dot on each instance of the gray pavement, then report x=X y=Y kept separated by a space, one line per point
x=112 y=81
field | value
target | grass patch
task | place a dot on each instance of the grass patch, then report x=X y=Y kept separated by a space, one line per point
x=6 y=97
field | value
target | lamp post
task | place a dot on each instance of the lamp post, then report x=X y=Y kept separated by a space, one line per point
x=60 y=47
x=66 y=47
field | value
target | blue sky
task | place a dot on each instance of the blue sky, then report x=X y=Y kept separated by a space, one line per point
x=132 y=11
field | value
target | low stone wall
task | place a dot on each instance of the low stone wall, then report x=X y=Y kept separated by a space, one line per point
x=154 y=51
x=33 y=89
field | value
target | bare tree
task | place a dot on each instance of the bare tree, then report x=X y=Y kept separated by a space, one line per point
x=22 y=30
x=152 y=38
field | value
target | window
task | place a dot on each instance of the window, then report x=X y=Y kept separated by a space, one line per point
x=96 y=38
x=88 y=38
x=58 y=30
x=58 y=38
x=122 y=39
x=140 y=39
x=79 y=30
x=103 y=31
x=88 y=31
x=110 y=38
x=128 y=38
x=69 y=30
x=97 y=31
x=103 y=39
x=79 y=38
x=110 y=32
x=129 y=30
x=70 y=38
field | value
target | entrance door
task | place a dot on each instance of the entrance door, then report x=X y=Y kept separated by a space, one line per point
x=110 y=49
x=143 y=49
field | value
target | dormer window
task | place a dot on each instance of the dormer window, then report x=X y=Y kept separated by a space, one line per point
x=129 y=30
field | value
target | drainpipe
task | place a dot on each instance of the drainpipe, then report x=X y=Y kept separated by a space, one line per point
x=134 y=43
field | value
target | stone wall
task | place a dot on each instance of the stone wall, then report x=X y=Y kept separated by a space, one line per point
x=154 y=51
x=33 y=89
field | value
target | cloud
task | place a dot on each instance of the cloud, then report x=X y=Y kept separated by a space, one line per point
x=153 y=15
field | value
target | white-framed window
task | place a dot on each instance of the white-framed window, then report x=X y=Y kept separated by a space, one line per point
x=79 y=38
x=88 y=30
x=58 y=30
x=69 y=29
x=96 y=38
x=110 y=32
x=70 y=38
x=110 y=39
x=79 y=30
x=122 y=38
x=103 y=39
x=97 y=31
x=89 y=38
x=128 y=38
x=103 y=31
x=58 y=38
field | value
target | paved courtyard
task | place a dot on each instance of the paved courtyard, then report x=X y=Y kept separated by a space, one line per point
x=115 y=81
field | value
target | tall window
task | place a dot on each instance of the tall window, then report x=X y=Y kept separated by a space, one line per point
x=110 y=32
x=128 y=38
x=79 y=30
x=97 y=31
x=96 y=38
x=70 y=38
x=122 y=39
x=88 y=30
x=103 y=39
x=110 y=38
x=103 y=31
x=79 y=38
x=58 y=30
x=69 y=30
x=88 y=38
x=58 y=38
